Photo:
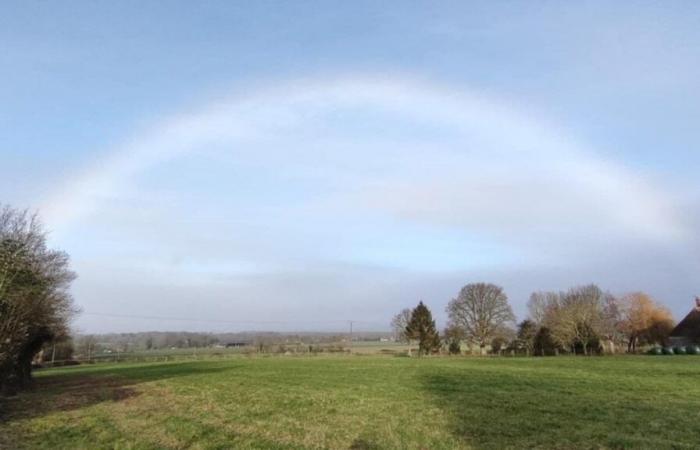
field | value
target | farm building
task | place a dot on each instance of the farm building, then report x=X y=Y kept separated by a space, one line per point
x=688 y=330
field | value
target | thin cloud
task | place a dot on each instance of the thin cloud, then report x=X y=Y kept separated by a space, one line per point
x=420 y=186
x=536 y=162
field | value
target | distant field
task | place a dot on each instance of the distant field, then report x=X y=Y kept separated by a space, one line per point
x=363 y=402
x=174 y=354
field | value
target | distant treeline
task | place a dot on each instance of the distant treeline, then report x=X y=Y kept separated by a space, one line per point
x=89 y=345
x=583 y=319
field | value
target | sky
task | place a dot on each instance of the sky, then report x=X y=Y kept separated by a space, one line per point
x=224 y=166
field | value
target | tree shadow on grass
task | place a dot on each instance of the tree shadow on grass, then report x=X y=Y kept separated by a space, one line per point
x=487 y=411
x=495 y=409
x=67 y=391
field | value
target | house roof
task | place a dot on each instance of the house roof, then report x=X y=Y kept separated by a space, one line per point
x=689 y=327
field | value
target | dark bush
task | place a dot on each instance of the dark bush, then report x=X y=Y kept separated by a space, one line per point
x=544 y=343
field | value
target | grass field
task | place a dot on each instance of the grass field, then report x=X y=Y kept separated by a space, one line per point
x=363 y=402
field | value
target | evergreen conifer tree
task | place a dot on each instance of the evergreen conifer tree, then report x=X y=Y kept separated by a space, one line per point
x=421 y=327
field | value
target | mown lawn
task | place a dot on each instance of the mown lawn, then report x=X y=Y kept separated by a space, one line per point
x=363 y=402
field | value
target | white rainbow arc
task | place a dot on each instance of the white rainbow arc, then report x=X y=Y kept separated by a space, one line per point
x=630 y=201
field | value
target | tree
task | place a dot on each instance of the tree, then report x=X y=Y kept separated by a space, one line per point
x=86 y=346
x=610 y=327
x=35 y=305
x=453 y=338
x=399 y=324
x=421 y=327
x=544 y=344
x=575 y=319
x=660 y=327
x=58 y=351
x=480 y=310
x=556 y=321
x=497 y=344
x=643 y=320
x=538 y=304
x=527 y=331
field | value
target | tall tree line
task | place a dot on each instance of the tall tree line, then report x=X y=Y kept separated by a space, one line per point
x=585 y=319
x=582 y=320
x=35 y=304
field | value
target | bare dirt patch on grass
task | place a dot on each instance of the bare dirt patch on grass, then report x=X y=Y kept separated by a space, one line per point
x=55 y=394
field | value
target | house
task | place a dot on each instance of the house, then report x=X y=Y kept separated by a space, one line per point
x=688 y=330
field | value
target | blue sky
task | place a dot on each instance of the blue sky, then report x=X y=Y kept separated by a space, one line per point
x=307 y=163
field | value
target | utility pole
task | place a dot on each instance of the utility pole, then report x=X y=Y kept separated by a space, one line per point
x=351 y=337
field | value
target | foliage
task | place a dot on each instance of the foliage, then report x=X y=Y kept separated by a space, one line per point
x=544 y=344
x=481 y=310
x=498 y=343
x=643 y=321
x=61 y=350
x=527 y=331
x=586 y=319
x=578 y=319
x=421 y=327
x=35 y=305
x=453 y=336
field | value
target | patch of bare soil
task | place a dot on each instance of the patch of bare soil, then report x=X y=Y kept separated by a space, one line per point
x=66 y=394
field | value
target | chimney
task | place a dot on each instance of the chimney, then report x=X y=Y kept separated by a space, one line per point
x=697 y=303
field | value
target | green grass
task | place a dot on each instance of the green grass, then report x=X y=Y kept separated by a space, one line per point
x=363 y=402
x=173 y=354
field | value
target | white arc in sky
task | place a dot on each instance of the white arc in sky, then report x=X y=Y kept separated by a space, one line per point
x=528 y=170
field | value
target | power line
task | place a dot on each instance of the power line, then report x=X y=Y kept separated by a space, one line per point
x=236 y=322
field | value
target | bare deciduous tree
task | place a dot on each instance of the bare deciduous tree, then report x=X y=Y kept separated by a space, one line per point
x=538 y=304
x=399 y=324
x=480 y=310
x=577 y=317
